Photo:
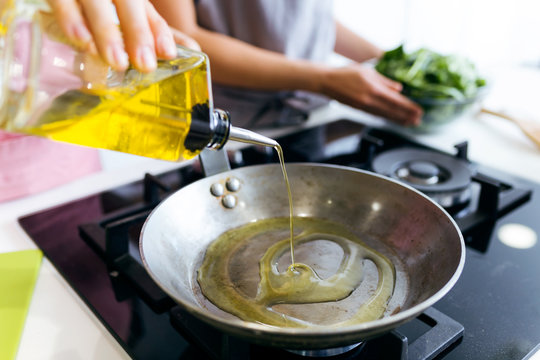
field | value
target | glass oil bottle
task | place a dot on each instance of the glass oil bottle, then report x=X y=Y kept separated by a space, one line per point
x=51 y=89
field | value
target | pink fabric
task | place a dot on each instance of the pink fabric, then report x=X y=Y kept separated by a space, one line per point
x=30 y=164
x=57 y=63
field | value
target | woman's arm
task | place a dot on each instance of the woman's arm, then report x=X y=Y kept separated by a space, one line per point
x=353 y=46
x=239 y=64
x=142 y=37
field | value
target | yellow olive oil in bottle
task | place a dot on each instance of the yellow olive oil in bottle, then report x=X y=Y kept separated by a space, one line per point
x=51 y=89
x=152 y=120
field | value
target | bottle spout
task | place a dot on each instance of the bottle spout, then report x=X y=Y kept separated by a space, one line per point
x=250 y=137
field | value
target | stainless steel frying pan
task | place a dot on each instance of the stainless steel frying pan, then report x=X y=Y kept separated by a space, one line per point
x=419 y=237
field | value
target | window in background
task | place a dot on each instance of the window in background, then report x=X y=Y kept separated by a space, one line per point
x=488 y=32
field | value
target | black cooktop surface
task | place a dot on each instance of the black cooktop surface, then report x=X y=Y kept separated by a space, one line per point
x=494 y=309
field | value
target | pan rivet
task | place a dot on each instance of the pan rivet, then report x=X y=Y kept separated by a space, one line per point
x=233 y=184
x=217 y=189
x=229 y=201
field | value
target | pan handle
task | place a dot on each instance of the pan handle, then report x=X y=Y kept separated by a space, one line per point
x=214 y=161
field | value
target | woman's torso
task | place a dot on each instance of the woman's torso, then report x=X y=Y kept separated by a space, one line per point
x=300 y=29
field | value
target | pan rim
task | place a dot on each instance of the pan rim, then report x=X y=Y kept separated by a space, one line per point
x=386 y=322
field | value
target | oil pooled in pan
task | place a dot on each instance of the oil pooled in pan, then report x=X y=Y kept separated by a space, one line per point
x=337 y=280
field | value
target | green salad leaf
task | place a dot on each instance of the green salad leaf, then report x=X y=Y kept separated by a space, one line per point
x=427 y=74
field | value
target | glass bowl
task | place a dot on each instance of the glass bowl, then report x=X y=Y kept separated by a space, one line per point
x=438 y=112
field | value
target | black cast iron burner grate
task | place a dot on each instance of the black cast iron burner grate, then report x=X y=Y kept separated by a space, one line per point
x=129 y=279
x=116 y=290
x=114 y=236
x=129 y=276
x=443 y=333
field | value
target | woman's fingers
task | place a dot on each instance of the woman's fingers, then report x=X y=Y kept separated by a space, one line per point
x=163 y=38
x=394 y=85
x=107 y=36
x=142 y=37
x=71 y=20
x=386 y=100
x=182 y=39
x=395 y=106
x=366 y=89
x=138 y=37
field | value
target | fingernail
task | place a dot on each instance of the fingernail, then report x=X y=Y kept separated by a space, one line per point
x=92 y=48
x=117 y=57
x=166 y=46
x=81 y=34
x=146 y=59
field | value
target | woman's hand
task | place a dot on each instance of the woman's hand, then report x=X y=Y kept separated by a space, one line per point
x=182 y=39
x=143 y=35
x=363 y=87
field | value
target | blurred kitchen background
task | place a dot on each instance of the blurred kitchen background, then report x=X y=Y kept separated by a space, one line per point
x=489 y=32
x=501 y=37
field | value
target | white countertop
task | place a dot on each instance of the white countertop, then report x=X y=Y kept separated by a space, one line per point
x=60 y=326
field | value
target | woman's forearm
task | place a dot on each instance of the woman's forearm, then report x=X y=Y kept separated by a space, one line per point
x=353 y=46
x=236 y=63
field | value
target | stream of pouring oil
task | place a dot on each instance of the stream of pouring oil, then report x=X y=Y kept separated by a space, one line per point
x=279 y=151
x=299 y=283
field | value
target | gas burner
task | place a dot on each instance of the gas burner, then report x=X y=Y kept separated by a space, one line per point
x=105 y=269
x=443 y=178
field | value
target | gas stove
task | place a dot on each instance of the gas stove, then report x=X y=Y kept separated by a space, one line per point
x=491 y=313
